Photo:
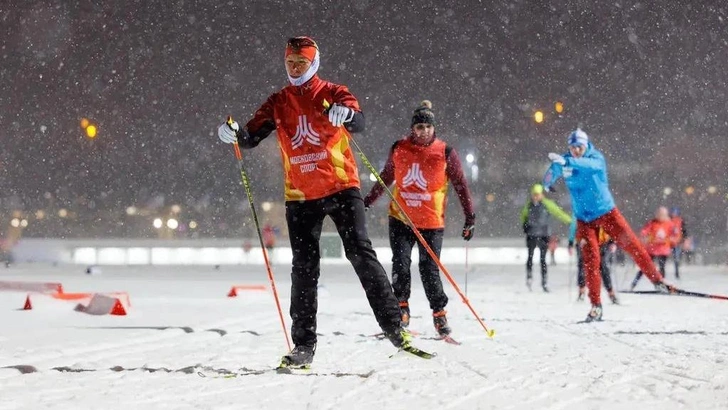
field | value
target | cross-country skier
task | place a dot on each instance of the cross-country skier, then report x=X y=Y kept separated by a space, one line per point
x=420 y=165
x=681 y=236
x=659 y=236
x=535 y=219
x=584 y=170
x=321 y=179
x=605 y=243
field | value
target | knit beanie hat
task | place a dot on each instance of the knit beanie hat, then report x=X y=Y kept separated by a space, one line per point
x=423 y=114
x=578 y=137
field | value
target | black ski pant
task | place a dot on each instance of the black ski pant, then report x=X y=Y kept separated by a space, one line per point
x=401 y=240
x=542 y=243
x=661 y=261
x=604 y=269
x=305 y=220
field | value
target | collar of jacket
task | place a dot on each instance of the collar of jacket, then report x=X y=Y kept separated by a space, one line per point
x=309 y=86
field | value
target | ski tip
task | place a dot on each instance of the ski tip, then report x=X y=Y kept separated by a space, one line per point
x=490 y=333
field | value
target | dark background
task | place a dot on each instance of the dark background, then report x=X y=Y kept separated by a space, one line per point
x=646 y=80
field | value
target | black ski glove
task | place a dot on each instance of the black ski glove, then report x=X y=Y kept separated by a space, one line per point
x=468 y=231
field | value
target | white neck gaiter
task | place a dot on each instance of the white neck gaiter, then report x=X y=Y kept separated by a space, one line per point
x=308 y=74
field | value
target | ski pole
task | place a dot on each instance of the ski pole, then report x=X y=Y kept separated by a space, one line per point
x=489 y=332
x=249 y=193
x=466 y=268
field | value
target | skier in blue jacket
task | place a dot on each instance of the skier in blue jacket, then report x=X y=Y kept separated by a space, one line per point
x=584 y=170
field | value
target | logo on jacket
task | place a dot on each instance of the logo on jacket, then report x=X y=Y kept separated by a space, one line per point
x=305 y=132
x=415 y=176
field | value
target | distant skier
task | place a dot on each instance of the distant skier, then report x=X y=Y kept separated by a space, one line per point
x=659 y=236
x=535 y=219
x=269 y=236
x=321 y=179
x=681 y=238
x=584 y=170
x=421 y=165
x=605 y=243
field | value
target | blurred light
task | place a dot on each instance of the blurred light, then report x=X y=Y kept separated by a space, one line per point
x=157 y=223
x=712 y=189
x=193 y=225
x=538 y=117
x=91 y=131
x=490 y=197
x=176 y=209
x=474 y=172
x=15 y=223
x=39 y=214
x=267 y=206
x=131 y=210
x=470 y=158
x=689 y=190
x=559 y=107
x=84 y=123
x=62 y=212
x=172 y=223
x=24 y=223
x=372 y=177
x=667 y=191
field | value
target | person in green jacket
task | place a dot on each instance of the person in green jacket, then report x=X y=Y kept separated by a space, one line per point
x=535 y=217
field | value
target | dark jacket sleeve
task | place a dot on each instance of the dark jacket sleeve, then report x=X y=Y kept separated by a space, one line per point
x=455 y=174
x=259 y=127
x=387 y=176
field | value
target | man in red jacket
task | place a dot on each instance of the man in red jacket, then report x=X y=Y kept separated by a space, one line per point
x=321 y=179
x=420 y=165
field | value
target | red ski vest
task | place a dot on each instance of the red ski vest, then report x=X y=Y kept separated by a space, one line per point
x=420 y=183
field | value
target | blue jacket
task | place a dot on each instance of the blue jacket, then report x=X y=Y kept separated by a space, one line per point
x=586 y=180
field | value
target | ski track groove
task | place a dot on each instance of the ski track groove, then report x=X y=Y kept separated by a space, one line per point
x=173 y=337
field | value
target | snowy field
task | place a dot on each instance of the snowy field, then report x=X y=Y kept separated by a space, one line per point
x=652 y=352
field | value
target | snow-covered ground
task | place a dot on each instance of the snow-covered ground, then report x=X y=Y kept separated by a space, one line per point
x=652 y=352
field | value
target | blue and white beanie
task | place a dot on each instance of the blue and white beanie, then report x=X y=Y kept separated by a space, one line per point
x=578 y=137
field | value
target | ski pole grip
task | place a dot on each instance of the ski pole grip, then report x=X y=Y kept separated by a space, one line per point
x=236 y=147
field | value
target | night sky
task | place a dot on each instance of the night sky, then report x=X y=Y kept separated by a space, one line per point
x=646 y=80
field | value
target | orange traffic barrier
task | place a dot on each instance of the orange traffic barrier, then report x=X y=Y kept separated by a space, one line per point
x=103 y=305
x=234 y=290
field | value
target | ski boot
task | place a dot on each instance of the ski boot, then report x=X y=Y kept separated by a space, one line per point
x=613 y=297
x=300 y=357
x=663 y=287
x=529 y=281
x=595 y=314
x=545 y=288
x=582 y=293
x=440 y=321
x=402 y=340
x=404 y=308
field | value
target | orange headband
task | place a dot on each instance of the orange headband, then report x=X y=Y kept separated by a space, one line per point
x=304 y=46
